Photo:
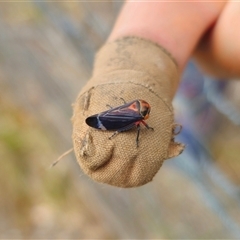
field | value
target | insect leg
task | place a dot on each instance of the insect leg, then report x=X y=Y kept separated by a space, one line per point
x=145 y=124
x=115 y=133
x=122 y=130
x=107 y=105
x=123 y=100
x=138 y=132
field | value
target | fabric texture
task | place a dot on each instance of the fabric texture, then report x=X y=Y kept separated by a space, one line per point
x=129 y=68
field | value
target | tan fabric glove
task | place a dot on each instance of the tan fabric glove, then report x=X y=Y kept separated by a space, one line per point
x=129 y=68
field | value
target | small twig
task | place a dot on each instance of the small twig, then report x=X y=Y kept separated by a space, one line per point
x=63 y=155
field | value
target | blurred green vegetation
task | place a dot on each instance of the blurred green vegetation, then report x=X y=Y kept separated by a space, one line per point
x=36 y=200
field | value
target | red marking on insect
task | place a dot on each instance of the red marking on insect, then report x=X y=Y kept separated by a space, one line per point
x=122 y=118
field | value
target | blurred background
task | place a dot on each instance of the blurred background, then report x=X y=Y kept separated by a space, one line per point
x=46 y=56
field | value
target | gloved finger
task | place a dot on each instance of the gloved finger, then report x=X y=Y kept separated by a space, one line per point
x=130 y=68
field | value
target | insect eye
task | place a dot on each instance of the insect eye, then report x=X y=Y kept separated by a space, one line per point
x=145 y=112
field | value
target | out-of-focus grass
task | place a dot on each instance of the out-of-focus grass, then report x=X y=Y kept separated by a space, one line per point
x=40 y=59
x=32 y=194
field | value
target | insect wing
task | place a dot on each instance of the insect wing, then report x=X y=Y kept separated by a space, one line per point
x=93 y=121
x=116 y=118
